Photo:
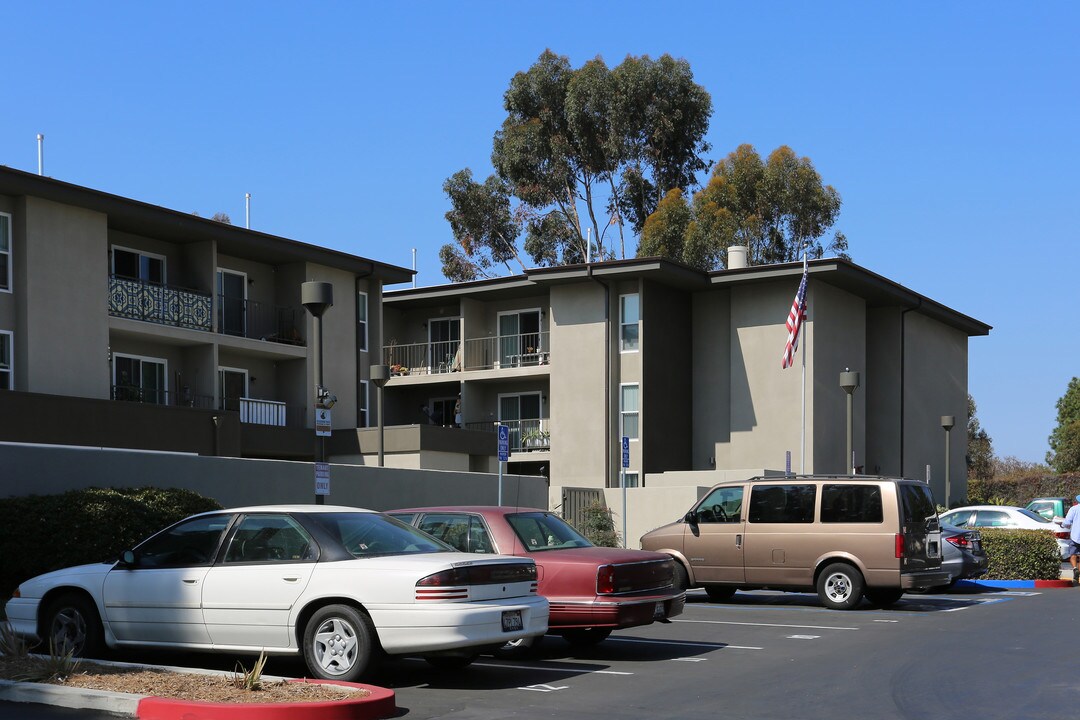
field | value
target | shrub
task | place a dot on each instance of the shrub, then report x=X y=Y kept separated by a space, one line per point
x=1021 y=554
x=598 y=527
x=42 y=533
x=1022 y=489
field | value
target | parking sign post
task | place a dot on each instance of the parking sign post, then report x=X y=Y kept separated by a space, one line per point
x=504 y=453
x=622 y=482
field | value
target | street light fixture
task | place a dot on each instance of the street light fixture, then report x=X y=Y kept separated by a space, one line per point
x=379 y=375
x=318 y=297
x=849 y=381
x=947 y=422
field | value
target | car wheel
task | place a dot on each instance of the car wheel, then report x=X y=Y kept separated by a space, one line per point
x=719 y=593
x=72 y=625
x=522 y=647
x=340 y=644
x=583 y=637
x=840 y=586
x=883 y=597
x=451 y=662
x=681 y=579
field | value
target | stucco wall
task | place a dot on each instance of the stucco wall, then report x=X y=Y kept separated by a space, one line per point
x=339 y=346
x=711 y=361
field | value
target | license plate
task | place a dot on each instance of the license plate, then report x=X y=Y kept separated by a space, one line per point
x=658 y=611
x=511 y=621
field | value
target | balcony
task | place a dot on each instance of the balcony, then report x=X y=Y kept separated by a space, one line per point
x=158 y=303
x=158 y=396
x=525 y=435
x=258 y=321
x=490 y=353
x=252 y=411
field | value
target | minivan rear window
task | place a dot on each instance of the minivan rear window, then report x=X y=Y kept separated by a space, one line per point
x=782 y=503
x=851 y=504
x=918 y=502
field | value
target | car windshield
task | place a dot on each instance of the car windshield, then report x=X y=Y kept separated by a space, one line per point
x=373 y=534
x=544 y=531
x=1034 y=516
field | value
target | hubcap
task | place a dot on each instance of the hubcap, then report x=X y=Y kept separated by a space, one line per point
x=838 y=587
x=68 y=632
x=335 y=646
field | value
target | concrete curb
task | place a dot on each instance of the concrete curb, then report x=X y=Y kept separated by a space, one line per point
x=381 y=703
x=1016 y=583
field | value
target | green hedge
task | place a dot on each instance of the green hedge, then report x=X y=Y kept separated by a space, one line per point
x=1021 y=554
x=40 y=533
x=1022 y=489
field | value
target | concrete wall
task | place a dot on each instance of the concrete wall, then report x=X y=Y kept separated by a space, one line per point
x=64 y=251
x=338 y=346
x=30 y=470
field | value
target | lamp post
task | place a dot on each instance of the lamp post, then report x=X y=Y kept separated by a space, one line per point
x=318 y=297
x=849 y=381
x=947 y=422
x=379 y=375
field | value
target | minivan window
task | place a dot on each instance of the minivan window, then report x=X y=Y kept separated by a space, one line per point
x=722 y=505
x=782 y=503
x=918 y=502
x=851 y=504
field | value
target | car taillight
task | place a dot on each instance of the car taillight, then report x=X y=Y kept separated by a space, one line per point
x=605 y=580
x=899 y=545
x=1063 y=535
x=960 y=541
x=453 y=584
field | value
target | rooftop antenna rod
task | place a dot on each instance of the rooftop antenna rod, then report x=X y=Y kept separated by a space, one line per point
x=588 y=245
x=414 y=268
x=40 y=154
x=247 y=210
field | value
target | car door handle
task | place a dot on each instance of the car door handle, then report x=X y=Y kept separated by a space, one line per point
x=738 y=541
x=291 y=579
x=191 y=581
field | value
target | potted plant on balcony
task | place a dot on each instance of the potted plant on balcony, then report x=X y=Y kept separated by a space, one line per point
x=535 y=439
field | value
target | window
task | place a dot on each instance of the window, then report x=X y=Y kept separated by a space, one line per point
x=232 y=302
x=443 y=344
x=993 y=518
x=629 y=315
x=361 y=321
x=851 y=504
x=136 y=265
x=192 y=542
x=464 y=532
x=139 y=379
x=520 y=340
x=631 y=478
x=722 y=505
x=5 y=252
x=782 y=503
x=544 y=531
x=362 y=410
x=960 y=518
x=522 y=414
x=918 y=503
x=628 y=410
x=7 y=374
x=270 y=538
x=232 y=386
x=370 y=534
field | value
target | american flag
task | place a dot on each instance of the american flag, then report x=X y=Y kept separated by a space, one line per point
x=796 y=317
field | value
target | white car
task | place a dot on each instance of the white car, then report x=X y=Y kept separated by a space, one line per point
x=339 y=585
x=1006 y=516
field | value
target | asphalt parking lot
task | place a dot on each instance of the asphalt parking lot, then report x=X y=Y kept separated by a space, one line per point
x=978 y=653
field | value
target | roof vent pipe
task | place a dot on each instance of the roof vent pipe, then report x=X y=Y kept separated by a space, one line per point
x=40 y=154
x=736 y=257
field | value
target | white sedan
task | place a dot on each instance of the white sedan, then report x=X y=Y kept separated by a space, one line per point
x=339 y=585
x=1008 y=517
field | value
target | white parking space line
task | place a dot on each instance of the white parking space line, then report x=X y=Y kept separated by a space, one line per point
x=803 y=637
x=563 y=667
x=729 y=622
x=544 y=688
x=716 y=646
x=688 y=659
x=887 y=621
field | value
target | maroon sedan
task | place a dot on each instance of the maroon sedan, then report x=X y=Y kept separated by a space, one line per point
x=592 y=590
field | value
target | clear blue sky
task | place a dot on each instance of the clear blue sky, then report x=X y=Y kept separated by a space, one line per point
x=950 y=130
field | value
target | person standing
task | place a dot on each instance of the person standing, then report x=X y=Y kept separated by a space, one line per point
x=457 y=412
x=1072 y=524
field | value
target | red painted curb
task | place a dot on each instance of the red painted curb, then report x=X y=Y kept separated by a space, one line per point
x=1053 y=583
x=380 y=703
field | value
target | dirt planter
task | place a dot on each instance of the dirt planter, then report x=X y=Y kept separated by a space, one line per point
x=378 y=703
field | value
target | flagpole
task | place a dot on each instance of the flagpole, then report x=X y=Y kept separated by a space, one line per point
x=802 y=434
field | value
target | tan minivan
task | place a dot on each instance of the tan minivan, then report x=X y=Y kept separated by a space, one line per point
x=843 y=536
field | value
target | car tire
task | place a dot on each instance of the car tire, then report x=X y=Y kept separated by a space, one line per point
x=522 y=647
x=840 y=586
x=719 y=593
x=451 y=662
x=340 y=643
x=72 y=624
x=585 y=637
x=681 y=579
x=883 y=597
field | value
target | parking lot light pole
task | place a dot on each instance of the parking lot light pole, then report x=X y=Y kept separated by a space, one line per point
x=379 y=375
x=317 y=297
x=947 y=422
x=849 y=381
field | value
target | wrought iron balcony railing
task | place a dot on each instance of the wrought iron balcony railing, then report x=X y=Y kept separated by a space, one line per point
x=157 y=303
x=489 y=353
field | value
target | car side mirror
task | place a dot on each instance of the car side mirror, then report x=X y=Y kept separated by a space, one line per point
x=691 y=517
x=127 y=558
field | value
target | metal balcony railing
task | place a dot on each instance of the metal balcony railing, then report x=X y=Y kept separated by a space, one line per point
x=157 y=396
x=259 y=321
x=157 y=303
x=525 y=435
x=252 y=411
x=505 y=351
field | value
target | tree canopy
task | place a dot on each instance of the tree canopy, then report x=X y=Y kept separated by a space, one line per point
x=1064 y=455
x=583 y=156
x=981 y=463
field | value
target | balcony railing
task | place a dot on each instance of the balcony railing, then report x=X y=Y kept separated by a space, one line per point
x=259 y=321
x=525 y=435
x=157 y=303
x=157 y=396
x=505 y=351
x=252 y=411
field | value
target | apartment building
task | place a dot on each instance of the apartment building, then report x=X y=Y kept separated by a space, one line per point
x=124 y=324
x=687 y=366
